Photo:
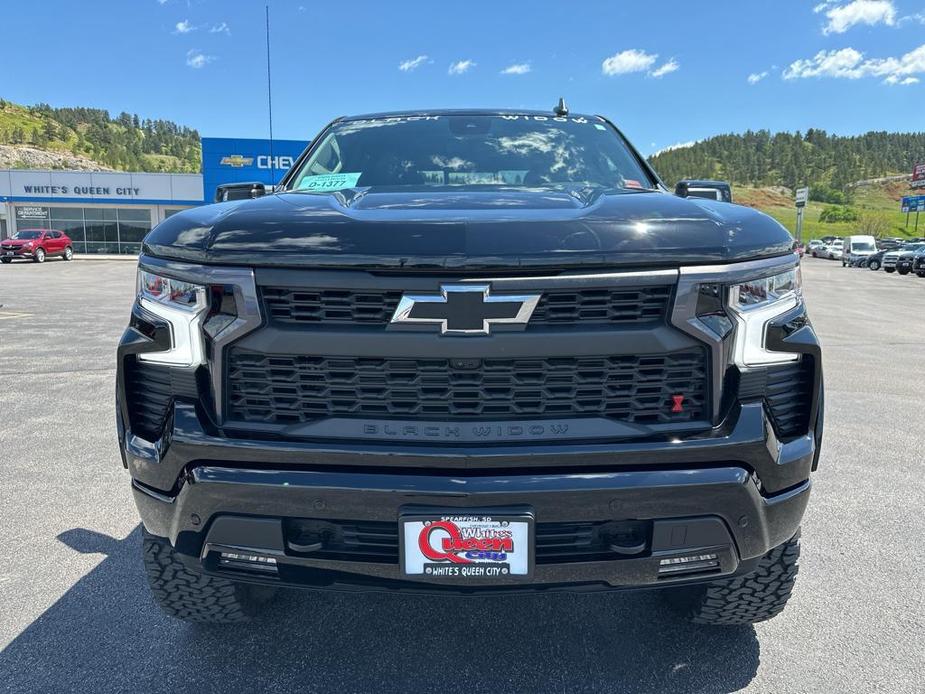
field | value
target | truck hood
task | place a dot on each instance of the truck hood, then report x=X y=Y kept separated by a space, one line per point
x=469 y=228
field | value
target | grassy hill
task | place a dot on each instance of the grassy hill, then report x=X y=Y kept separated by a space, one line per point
x=876 y=206
x=125 y=142
x=764 y=168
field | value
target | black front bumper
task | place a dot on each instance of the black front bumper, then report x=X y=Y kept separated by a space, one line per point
x=693 y=512
x=675 y=488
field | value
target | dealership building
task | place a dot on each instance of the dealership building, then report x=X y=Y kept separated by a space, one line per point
x=110 y=212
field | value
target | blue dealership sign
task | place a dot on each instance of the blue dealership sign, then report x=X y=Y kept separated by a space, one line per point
x=235 y=160
x=913 y=203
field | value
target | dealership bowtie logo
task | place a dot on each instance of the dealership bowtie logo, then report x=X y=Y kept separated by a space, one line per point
x=237 y=161
x=465 y=309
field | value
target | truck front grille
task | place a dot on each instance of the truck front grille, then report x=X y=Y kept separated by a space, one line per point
x=336 y=308
x=639 y=389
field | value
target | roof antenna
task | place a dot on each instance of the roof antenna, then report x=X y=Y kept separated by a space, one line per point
x=561 y=109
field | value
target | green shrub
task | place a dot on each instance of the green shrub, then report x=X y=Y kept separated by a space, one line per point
x=838 y=213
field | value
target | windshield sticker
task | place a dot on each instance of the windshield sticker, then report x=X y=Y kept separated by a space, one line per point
x=326 y=182
x=581 y=120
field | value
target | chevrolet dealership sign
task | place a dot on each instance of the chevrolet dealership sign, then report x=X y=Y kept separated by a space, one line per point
x=233 y=160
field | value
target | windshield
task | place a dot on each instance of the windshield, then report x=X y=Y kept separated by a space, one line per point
x=25 y=235
x=457 y=150
x=863 y=246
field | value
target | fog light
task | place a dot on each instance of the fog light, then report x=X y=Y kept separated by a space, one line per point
x=254 y=562
x=689 y=564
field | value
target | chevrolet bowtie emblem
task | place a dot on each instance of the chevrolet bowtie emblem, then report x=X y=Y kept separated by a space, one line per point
x=237 y=161
x=465 y=309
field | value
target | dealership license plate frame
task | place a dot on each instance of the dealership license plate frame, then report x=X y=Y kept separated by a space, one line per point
x=522 y=515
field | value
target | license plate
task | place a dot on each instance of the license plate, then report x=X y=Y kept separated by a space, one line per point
x=8 y=253
x=481 y=547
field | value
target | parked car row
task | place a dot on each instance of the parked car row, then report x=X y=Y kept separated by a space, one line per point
x=903 y=257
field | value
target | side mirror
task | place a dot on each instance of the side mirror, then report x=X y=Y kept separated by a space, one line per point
x=239 y=191
x=711 y=190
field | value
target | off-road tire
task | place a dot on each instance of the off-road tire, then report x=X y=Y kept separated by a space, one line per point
x=194 y=597
x=903 y=272
x=748 y=599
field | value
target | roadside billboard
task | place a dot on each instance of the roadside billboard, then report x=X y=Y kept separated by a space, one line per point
x=912 y=203
x=236 y=160
x=918 y=176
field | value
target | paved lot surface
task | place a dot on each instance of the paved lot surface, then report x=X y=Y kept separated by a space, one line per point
x=75 y=614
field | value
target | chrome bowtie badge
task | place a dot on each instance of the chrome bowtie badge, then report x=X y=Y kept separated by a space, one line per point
x=465 y=309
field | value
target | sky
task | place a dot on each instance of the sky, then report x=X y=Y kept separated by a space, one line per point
x=666 y=73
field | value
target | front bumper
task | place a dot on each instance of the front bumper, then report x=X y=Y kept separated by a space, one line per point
x=673 y=488
x=5 y=253
x=692 y=512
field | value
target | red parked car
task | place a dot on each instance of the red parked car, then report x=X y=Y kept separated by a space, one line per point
x=36 y=244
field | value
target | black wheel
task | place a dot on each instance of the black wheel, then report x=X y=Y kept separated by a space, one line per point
x=889 y=269
x=903 y=271
x=747 y=599
x=39 y=255
x=920 y=273
x=874 y=265
x=6 y=261
x=68 y=253
x=194 y=597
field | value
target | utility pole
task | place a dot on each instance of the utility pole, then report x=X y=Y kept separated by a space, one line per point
x=270 y=101
x=802 y=196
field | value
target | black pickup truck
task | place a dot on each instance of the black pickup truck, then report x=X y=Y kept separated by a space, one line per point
x=470 y=352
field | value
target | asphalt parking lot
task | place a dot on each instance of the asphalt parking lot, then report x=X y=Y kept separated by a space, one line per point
x=75 y=614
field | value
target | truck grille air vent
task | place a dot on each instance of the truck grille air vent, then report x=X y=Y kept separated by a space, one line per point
x=787 y=391
x=789 y=396
x=292 y=389
x=583 y=307
x=150 y=388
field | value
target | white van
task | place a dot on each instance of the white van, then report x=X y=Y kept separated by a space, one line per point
x=857 y=247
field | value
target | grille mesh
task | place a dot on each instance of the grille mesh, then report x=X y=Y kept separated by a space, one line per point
x=149 y=391
x=789 y=396
x=328 y=307
x=288 y=389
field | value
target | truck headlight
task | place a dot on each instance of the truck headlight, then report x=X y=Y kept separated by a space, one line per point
x=182 y=305
x=756 y=303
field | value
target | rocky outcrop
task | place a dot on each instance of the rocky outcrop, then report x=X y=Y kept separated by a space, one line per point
x=25 y=157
